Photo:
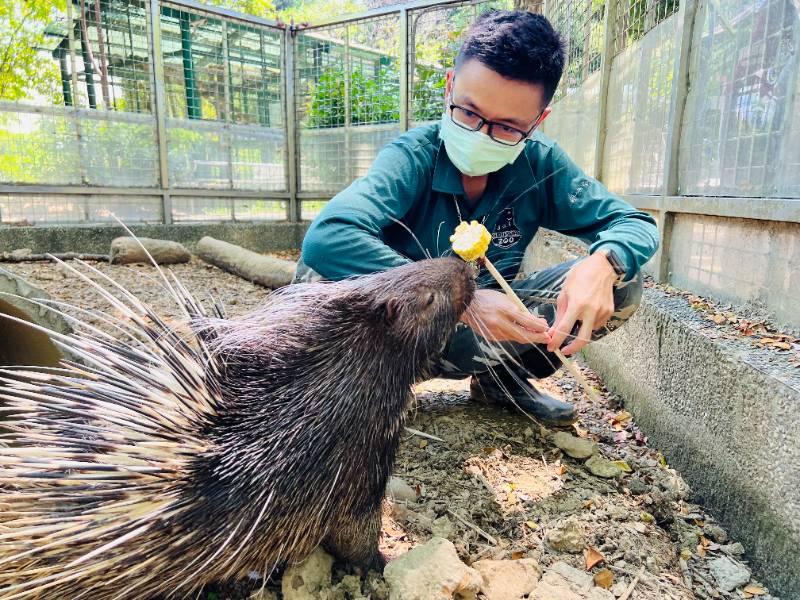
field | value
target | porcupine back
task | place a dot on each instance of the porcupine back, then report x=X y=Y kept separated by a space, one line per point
x=174 y=459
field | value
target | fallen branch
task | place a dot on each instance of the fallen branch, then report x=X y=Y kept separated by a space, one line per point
x=8 y=257
x=267 y=271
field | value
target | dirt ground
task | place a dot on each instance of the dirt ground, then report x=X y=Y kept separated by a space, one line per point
x=494 y=482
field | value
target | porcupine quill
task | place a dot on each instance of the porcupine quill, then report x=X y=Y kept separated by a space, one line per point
x=161 y=460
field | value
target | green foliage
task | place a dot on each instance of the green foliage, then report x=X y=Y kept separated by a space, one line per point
x=428 y=93
x=372 y=99
x=27 y=70
x=259 y=8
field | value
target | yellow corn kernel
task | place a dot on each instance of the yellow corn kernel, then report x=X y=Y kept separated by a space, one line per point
x=470 y=240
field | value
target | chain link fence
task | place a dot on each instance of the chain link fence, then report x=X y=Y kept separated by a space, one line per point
x=169 y=111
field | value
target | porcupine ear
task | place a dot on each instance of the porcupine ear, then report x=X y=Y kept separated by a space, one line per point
x=390 y=309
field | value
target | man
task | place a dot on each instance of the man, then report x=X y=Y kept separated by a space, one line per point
x=485 y=161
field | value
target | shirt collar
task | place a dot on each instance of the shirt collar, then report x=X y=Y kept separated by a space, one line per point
x=515 y=178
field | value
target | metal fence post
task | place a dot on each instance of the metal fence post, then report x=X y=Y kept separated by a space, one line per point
x=160 y=106
x=348 y=113
x=293 y=207
x=405 y=76
x=607 y=59
x=687 y=13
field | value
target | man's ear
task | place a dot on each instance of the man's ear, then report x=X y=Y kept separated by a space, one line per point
x=448 y=85
x=545 y=114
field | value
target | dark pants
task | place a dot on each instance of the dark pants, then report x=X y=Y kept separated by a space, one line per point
x=467 y=353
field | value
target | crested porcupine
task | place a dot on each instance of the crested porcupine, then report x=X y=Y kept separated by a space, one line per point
x=168 y=460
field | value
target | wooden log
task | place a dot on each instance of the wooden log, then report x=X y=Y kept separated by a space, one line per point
x=267 y=271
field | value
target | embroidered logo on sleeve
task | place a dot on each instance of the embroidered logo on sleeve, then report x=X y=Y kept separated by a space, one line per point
x=506 y=233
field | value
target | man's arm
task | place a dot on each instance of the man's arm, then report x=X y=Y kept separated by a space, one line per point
x=582 y=207
x=347 y=237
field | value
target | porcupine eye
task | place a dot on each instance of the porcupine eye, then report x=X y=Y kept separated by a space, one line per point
x=431 y=298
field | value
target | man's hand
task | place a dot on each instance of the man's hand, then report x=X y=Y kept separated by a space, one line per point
x=587 y=296
x=493 y=316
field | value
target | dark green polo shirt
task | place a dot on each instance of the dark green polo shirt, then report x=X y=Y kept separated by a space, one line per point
x=413 y=181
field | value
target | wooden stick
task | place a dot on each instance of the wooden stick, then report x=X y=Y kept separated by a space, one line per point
x=570 y=366
x=7 y=257
x=629 y=590
x=475 y=527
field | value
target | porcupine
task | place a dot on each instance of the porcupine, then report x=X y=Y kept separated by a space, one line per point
x=244 y=447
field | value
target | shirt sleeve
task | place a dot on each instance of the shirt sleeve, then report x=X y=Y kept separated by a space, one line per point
x=582 y=207
x=347 y=238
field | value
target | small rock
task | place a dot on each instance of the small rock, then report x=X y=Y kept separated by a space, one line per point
x=734 y=549
x=20 y=253
x=618 y=588
x=264 y=594
x=431 y=570
x=397 y=489
x=310 y=579
x=567 y=537
x=574 y=446
x=126 y=250
x=728 y=573
x=508 y=579
x=443 y=528
x=715 y=533
x=602 y=468
x=639 y=527
x=637 y=486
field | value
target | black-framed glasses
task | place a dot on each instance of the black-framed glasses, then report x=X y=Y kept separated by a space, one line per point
x=500 y=133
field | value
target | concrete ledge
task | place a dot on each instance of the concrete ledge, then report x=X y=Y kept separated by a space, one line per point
x=259 y=237
x=726 y=415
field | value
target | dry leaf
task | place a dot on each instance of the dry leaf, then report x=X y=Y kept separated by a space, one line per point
x=621 y=417
x=532 y=525
x=623 y=465
x=516 y=555
x=604 y=579
x=755 y=590
x=561 y=470
x=701 y=550
x=782 y=345
x=593 y=557
x=423 y=443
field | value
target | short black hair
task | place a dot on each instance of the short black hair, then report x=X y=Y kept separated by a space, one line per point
x=517 y=45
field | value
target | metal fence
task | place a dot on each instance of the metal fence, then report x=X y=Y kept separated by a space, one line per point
x=171 y=111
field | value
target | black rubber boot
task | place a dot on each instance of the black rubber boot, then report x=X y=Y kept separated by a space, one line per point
x=545 y=409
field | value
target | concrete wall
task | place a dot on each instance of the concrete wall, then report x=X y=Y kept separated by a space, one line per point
x=739 y=261
x=261 y=237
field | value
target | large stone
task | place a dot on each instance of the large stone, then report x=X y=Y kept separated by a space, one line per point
x=729 y=574
x=432 y=571
x=309 y=579
x=508 y=579
x=127 y=250
x=563 y=582
x=21 y=344
x=567 y=537
x=264 y=270
x=574 y=446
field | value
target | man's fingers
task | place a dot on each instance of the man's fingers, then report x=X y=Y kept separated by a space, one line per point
x=561 y=329
x=584 y=337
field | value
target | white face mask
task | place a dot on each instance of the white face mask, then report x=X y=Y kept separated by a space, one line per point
x=473 y=152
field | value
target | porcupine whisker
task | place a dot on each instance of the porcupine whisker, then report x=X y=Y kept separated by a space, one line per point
x=426 y=253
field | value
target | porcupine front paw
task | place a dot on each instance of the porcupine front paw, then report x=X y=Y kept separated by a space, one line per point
x=356 y=541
